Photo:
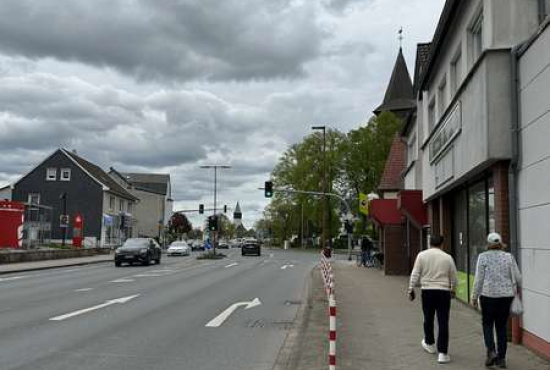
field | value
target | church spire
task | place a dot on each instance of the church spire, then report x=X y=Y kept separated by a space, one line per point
x=399 y=97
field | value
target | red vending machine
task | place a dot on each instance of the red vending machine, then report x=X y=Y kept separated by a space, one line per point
x=77 y=231
x=12 y=216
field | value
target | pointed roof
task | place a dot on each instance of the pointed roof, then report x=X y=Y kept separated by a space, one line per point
x=399 y=94
x=395 y=165
x=151 y=182
x=238 y=208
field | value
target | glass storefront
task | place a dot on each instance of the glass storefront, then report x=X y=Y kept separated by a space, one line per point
x=473 y=217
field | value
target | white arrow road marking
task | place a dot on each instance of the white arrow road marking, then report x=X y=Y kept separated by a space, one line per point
x=286 y=266
x=122 y=281
x=99 y=306
x=83 y=289
x=220 y=319
x=231 y=265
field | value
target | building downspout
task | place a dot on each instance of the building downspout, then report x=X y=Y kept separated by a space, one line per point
x=513 y=175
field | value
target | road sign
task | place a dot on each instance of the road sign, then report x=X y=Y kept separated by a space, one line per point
x=64 y=221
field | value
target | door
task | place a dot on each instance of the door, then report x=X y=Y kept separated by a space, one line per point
x=459 y=242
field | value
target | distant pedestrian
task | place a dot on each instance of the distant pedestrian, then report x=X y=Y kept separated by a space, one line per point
x=366 y=252
x=495 y=284
x=435 y=272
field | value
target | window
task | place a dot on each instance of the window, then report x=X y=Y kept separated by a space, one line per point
x=456 y=72
x=129 y=207
x=442 y=96
x=411 y=151
x=121 y=205
x=476 y=38
x=51 y=174
x=34 y=198
x=431 y=115
x=65 y=174
x=112 y=203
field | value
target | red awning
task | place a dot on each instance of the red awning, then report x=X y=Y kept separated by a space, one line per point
x=385 y=212
x=410 y=203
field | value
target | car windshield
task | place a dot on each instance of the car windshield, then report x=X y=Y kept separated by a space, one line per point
x=135 y=243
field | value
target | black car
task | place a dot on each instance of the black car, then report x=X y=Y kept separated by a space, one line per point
x=251 y=248
x=142 y=250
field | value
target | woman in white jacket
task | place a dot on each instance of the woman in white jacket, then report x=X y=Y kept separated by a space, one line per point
x=495 y=284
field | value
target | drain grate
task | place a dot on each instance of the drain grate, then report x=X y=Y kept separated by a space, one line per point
x=271 y=324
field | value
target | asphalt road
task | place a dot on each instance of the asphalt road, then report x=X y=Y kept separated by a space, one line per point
x=155 y=317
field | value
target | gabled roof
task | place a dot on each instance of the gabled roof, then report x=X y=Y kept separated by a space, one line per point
x=151 y=182
x=395 y=165
x=399 y=94
x=100 y=176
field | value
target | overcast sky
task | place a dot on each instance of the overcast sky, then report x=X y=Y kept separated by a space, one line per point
x=167 y=86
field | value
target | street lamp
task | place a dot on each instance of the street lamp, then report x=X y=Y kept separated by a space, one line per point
x=215 y=167
x=325 y=199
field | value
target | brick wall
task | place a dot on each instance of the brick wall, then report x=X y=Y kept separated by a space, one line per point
x=502 y=209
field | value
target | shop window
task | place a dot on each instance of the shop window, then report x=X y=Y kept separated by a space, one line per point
x=121 y=205
x=477 y=222
x=129 y=207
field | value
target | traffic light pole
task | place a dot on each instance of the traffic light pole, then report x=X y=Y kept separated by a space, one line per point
x=215 y=167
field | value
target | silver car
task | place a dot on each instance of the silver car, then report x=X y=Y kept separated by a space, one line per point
x=179 y=248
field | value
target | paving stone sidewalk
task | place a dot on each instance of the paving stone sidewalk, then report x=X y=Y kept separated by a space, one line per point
x=48 y=264
x=379 y=329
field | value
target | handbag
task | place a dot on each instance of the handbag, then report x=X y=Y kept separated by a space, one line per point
x=516 y=308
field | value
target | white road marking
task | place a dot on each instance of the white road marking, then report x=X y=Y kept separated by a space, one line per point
x=220 y=319
x=286 y=266
x=83 y=289
x=161 y=271
x=148 y=275
x=123 y=280
x=93 y=308
x=271 y=255
x=231 y=265
x=16 y=278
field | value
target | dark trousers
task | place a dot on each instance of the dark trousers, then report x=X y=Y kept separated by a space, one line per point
x=436 y=302
x=494 y=317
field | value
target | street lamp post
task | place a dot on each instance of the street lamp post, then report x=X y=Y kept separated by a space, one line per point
x=215 y=167
x=325 y=199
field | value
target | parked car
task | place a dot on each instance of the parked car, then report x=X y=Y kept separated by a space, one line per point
x=197 y=245
x=251 y=248
x=223 y=245
x=179 y=248
x=142 y=250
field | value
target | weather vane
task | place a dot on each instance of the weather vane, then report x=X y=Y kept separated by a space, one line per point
x=400 y=37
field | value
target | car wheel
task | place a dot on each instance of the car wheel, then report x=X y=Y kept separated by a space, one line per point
x=118 y=263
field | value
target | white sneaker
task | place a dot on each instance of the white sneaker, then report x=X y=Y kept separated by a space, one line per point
x=443 y=358
x=430 y=348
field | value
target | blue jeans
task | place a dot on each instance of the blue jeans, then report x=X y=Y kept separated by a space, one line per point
x=366 y=258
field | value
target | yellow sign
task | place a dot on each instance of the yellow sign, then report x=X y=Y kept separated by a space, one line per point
x=363 y=204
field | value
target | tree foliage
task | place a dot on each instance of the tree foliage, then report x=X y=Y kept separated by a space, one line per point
x=354 y=164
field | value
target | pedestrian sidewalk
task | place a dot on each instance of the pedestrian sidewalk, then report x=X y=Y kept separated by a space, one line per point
x=49 y=264
x=379 y=329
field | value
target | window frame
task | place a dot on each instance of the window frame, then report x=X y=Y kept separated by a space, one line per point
x=431 y=115
x=49 y=172
x=476 y=37
x=30 y=196
x=442 y=101
x=121 y=205
x=112 y=202
x=456 y=71
x=61 y=173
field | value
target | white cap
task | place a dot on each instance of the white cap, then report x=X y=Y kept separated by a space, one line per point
x=494 y=238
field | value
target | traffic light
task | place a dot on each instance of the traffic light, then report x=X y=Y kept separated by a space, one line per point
x=225 y=209
x=212 y=223
x=268 y=189
x=201 y=209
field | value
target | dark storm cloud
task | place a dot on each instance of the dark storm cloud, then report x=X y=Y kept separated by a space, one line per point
x=167 y=40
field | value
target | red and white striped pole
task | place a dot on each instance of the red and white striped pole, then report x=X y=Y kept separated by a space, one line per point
x=332 y=332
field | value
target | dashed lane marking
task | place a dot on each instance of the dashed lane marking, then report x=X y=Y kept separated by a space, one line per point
x=122 y=281
x=83 y=289
x=231 y=265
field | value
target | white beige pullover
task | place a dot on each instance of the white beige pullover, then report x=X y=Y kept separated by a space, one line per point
x=434 y=269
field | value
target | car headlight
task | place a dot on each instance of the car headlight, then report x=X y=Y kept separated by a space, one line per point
x=143 y=250
x=117 y=251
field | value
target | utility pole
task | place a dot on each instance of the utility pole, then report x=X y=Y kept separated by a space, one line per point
x=215 y=167
x=325 y=198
